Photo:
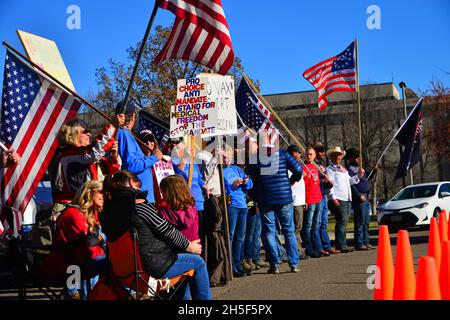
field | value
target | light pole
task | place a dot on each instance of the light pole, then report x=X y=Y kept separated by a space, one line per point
x=403 y=86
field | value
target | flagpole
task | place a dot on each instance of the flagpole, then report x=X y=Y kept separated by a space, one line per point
x=359 y=105
x=3 y=147
x=273 y=112
x=225 y=208
x=280 y=121
x=62 y=85
x=395 y=135
x=138 y=60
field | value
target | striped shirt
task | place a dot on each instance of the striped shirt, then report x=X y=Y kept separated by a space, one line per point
x=162 y=228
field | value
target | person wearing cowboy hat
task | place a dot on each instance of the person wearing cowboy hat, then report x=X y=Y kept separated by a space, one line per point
x=360 y=202
x=340 y=196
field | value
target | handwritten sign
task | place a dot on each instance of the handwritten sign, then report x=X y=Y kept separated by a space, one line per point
x=205 y=106
x=163 y=169
x=45 y=54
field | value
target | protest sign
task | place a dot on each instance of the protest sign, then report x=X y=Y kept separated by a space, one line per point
x=163 y=169
x=45 y=54
x=205 y=106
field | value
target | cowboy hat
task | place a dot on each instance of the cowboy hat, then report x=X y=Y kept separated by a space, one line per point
x=318 y=146
x=335 y=150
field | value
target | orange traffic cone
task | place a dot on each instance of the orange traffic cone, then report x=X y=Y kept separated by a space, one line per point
x=404 y=279
x=444 y=276
x=443 y=226
x=384 y=276
x=434 y=243
x=427 y=280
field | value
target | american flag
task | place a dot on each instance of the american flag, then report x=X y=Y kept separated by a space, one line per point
x=334 y=74
x=159 y=128
x=33 y=111
x=254 y=114
x=200 y=33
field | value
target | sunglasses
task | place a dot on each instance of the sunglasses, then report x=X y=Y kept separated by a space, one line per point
x=86 y=131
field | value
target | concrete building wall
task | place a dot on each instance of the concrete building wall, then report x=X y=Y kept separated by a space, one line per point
x=337 y=125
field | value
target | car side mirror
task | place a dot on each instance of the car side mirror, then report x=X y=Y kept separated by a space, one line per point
x=444 y=194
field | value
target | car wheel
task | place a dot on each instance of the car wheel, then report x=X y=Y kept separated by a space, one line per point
x=393 y=229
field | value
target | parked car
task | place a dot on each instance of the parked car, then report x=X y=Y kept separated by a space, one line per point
x=415 y=205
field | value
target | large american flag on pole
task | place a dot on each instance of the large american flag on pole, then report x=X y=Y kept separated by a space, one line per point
x=254 y=114
x=33 y=110
x=334 y=74
x=200 y=33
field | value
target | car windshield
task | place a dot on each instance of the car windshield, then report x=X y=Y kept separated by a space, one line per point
x=416 y=192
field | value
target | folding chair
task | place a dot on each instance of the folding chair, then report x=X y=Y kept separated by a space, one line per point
x=24 y=273
x=127 y=269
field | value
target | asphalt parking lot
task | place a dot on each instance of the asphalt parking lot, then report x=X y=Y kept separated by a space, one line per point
x=338 y=277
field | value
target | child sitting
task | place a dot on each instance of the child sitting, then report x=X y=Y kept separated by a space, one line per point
x=179 y=206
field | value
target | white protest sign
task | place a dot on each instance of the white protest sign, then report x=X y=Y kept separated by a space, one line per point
x=205 y=106
x=163 y=169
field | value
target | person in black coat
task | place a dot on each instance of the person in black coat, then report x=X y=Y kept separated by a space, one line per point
x=164 y=251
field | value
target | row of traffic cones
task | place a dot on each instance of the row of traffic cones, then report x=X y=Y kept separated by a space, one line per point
x=432 y=281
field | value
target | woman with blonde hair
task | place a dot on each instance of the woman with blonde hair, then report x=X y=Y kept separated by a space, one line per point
x=78 y=160
x=78 y=239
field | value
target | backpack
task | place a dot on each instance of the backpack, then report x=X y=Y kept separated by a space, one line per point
x=44 y=230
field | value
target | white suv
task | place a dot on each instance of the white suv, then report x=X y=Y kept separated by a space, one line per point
x=415 y=205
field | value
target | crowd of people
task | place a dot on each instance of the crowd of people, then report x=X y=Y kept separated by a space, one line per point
x=106 y=187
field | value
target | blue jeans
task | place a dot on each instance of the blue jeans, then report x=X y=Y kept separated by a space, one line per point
x=324 y=238
x=341 y=213
x=252 y=243
x=280 y=248
x=237 y=219
x=311 y=229
x=199 y=284
x=362 y=221
x=285 y=214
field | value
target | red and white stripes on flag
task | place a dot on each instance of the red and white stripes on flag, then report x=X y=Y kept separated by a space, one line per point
x=334 y=74
x=38 y=109
x=258 y=104
x=273 y=133
x=200 y=33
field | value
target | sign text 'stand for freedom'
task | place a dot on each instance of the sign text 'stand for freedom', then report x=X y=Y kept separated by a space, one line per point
x=205 y=106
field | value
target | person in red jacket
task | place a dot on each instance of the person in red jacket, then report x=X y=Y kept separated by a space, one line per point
x=313 y=197
x=78 y=160
x=78 y=239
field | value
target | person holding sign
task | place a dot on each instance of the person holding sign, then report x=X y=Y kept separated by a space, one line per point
x=160 y=169
x=133 y=159
x=182 y=162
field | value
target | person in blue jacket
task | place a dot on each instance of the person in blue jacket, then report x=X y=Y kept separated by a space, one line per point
x=236 y=185
x=269 y=171
x=131 y=155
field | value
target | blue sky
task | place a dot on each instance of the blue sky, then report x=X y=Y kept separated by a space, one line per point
x=276 y=40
